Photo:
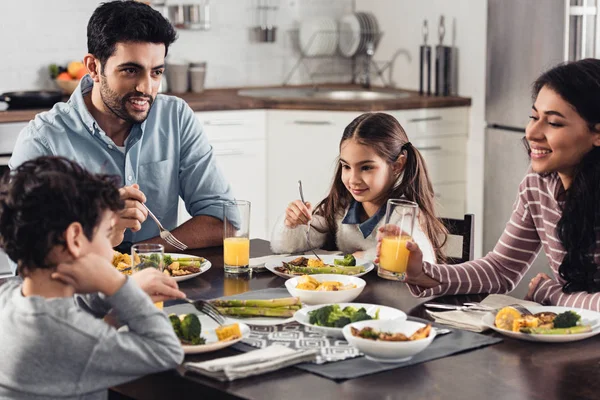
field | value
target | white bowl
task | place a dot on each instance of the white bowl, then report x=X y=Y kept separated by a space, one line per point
x=384 y=312
x=389 y=352
x=317 y=297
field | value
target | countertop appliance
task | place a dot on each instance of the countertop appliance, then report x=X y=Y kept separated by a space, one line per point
x=524 y=39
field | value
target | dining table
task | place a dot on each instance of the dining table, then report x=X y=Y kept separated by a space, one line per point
x=512 y=369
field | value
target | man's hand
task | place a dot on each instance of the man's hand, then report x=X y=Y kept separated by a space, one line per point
x=133 y=215
x=90 y=274
x=159 y=286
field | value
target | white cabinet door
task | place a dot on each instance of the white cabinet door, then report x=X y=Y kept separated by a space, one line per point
x=301 y=145
x=238 y=140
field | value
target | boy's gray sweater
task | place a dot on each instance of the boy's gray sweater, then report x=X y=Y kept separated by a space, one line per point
x=52 y=348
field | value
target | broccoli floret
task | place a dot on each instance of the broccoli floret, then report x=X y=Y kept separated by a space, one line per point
x=168 y=260
x=341 y=322
x=360 y=315
x=190 y=327
x=176 y=323
x=198 y=340
x=566 y=319
x=320 y=316
x=347 y=261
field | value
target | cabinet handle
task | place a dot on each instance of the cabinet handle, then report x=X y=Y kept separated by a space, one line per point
x=425 y=119
x=232 y=152
x=429 y=148
x=224 y=123
x=306 y=122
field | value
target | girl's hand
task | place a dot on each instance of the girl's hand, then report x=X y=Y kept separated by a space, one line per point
x=159 y=286
x=90 y=274
x=535 y=283
x=298 y=213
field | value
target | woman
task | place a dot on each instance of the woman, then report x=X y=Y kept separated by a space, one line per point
x=557 y=208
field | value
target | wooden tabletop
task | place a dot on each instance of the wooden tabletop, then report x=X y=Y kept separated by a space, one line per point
x=228 y=99
x=512 y=369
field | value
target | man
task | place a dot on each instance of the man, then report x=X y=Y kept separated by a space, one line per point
x=116 y=123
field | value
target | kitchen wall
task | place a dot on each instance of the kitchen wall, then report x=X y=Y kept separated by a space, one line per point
x=55 y=32
x=466 y=27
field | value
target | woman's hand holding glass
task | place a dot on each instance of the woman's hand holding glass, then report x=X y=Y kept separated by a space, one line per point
x=298 y=213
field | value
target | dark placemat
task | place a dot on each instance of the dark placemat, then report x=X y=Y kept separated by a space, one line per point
x=458 y=341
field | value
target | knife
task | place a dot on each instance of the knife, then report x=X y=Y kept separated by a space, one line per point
x=454 y=307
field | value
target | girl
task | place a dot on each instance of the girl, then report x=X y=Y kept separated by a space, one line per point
x=557 y=208
x=376 y=163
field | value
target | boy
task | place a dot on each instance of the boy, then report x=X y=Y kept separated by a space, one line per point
x=56 y=221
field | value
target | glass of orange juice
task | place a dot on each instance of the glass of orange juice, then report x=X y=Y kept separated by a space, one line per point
x=400 y=218
x=236 y=237
x=147 y=255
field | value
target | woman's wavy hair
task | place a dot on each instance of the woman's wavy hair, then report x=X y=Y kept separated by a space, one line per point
x=41 y=198
x=578 y=83
x=383 y=133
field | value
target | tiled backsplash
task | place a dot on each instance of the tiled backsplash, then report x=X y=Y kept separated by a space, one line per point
x=55 y=32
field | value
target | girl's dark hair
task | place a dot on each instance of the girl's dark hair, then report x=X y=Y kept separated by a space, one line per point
x=578 y=83
x=126 y=21
x=41 y=198
x=385 y=135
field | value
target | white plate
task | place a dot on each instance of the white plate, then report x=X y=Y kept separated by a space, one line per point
x=588 y=317
x=328 y=259
x=327 y=297
x=205 y=266
x=349 y=35
x=301 y=316
x=212 y=342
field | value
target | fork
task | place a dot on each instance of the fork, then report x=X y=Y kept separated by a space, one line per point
x=308 y=224
x=520 y=308
x=165 y=234
x=208 y=309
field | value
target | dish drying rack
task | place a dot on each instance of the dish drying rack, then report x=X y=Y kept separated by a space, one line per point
x=360 y=66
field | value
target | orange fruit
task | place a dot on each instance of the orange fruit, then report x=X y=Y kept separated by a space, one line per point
x=64 y=76
x=74 y=67
x=505 y=317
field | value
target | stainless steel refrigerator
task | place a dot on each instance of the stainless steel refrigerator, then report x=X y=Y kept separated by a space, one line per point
x=524 y=38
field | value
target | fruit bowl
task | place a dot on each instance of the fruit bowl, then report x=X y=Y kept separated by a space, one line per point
x=67 y=86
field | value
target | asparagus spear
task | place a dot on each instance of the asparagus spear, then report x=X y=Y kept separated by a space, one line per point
x=326 y=270
x=256 y=311
x=272 y=303
x=558 y=331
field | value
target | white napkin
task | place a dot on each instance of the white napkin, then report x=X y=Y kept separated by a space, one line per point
x=472 y=320
x=258 y=263
x=254 y=362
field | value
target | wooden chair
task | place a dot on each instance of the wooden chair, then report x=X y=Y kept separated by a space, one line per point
x=465 y=229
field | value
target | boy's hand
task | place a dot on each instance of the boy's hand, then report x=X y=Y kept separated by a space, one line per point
x=159 y=286
x=298 y=213
x=133 y=215
x=90 y=274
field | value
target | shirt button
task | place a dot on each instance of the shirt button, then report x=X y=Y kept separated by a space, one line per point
x=110 y=146
x=130 y=178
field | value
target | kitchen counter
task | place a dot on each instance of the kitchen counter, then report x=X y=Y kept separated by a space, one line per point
x=228 y=99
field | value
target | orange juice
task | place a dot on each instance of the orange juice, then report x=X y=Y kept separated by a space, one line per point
x=394 y=254
x=235 y=285
x=236 y=251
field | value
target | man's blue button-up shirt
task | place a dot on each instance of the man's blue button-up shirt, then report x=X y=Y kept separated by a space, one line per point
x=168 y=155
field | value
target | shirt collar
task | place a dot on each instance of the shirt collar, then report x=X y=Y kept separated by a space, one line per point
x=76 y=100
x=353 y=217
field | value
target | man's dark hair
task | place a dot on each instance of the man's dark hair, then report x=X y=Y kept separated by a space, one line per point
x=126 y=21
x=41 y=198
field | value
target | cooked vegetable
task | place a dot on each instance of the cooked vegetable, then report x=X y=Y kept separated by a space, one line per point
x=566 y=319
x=334 y=317
x=176 y=323
x=272 y=303
x=324 y=270
x=558 y=331
x=228 y=332
x=190 y=327
x=167 y=259
x=347 y=261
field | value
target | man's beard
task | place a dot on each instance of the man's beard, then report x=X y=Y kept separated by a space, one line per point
x=118 y=105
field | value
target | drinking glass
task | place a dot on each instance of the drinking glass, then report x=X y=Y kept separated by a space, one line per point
x=400 y=218
x=236 y=238
x=146 y=255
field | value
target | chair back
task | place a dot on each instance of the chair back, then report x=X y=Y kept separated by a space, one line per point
x=464 y=228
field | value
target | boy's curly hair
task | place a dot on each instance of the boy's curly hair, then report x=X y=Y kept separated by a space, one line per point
x=41 y=198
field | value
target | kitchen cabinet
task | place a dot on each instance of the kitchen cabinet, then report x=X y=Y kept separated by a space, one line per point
x=239 y=144
x=301 y=145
